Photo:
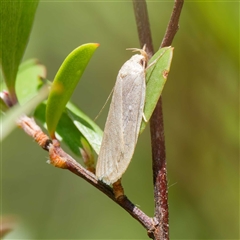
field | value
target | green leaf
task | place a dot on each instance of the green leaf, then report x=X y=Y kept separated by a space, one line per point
x=75 y=129
x=156 y=76
x=66 y=130
x=29 y=80
x=65 y=82
x=86 y=126
x=16 y=23
x=10 y=118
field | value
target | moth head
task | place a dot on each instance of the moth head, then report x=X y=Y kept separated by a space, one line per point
x=143 y=53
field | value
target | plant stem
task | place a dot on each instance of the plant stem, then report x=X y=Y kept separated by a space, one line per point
x=59 y=158
x=143 y=26
x=173 y=26
x=157 y=227
x=156 y=123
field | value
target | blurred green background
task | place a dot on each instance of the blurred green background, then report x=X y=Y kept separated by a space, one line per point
x=201 y=117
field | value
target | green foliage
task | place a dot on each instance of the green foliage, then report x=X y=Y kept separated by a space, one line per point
x=200 y=106
x=156 y=76
x=29 y=94
x=9 y=120
x=29 y=80
x=86 y=126
x=65 y=82
x=16 y=23
x=74 y=128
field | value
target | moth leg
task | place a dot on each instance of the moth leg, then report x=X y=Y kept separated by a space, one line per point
x=118 y=190
x=144 y=117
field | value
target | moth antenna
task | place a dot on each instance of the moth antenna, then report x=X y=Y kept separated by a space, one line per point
x=103 y=106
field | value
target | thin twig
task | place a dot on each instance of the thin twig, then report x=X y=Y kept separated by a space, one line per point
x=158 y=140
x=143 y=26
x=155 y=226
x=156 y=122
x=173 y=26
x=59 y=158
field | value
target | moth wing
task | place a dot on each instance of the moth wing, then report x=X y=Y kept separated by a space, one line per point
x=134 y=94
x=112 y=142
x=123 y=122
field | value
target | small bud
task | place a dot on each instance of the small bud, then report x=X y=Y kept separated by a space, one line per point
x=5 y=101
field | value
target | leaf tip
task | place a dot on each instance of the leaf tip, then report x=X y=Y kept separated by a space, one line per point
x=97 y=44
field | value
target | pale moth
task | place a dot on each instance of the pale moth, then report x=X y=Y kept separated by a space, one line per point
x=124 y=119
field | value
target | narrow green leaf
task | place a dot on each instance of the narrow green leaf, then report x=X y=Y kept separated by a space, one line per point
x=29 y=80
x=65 y=82
x=9 y=120
x=27 y=64
x=156 y=76
x=75 y=129
x=86 y=126
x=16 y=23
x=66 y=130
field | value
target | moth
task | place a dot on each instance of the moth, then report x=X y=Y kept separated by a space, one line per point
x=124 y=119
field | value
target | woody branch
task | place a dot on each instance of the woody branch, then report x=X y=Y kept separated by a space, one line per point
x=61 y=159
x=156 y=122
